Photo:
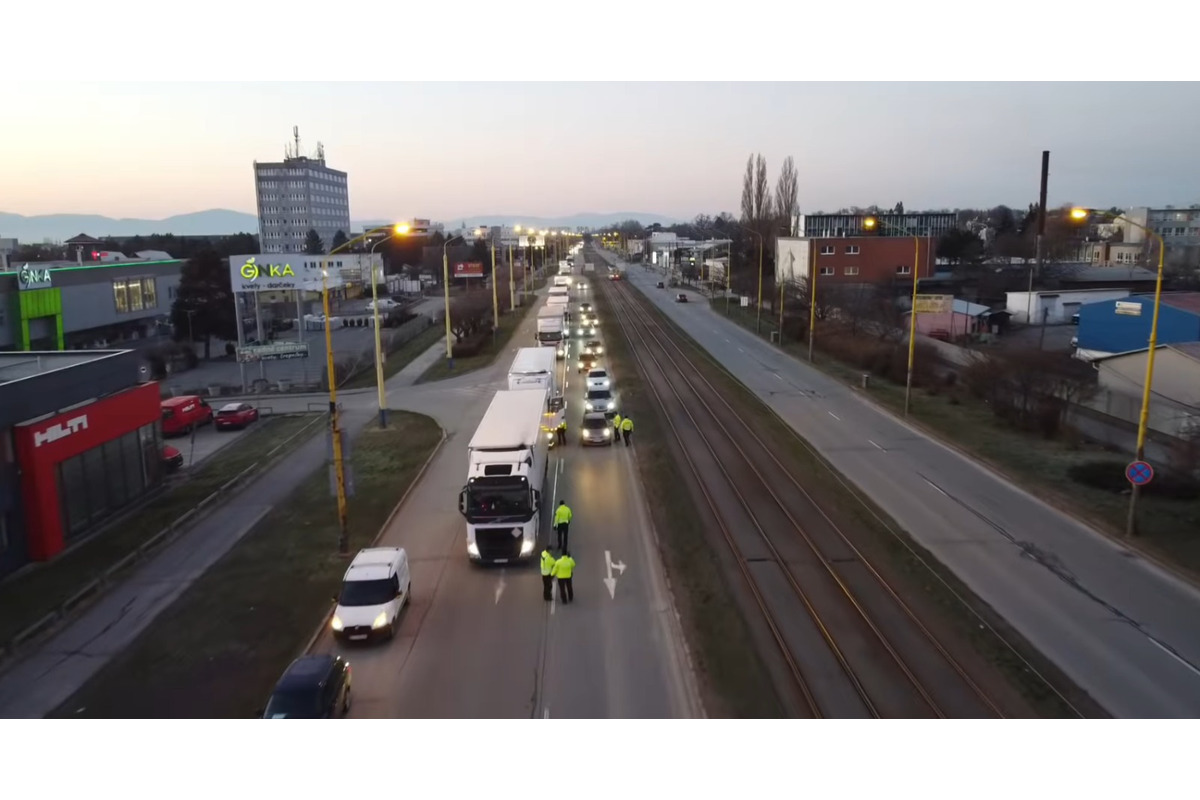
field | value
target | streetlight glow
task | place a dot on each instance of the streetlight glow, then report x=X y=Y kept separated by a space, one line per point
x=1080 y=214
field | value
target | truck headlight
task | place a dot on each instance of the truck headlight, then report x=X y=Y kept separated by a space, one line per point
x=337 y=624
x=380 y=621
x=526 y=547
x=473 y=549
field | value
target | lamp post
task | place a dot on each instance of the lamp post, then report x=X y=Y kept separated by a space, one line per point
x=812 y=302
x=446 y=296
x=1081 y=215
x=495 y=296
x=870 y=223
x=398 y=230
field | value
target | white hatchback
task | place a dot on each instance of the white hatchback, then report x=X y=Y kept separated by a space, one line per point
x=598 y=379
x=375 y=588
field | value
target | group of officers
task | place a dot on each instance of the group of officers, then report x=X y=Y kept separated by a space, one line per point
x=622 y=430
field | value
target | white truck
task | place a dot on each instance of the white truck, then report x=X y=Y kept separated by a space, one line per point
x=506 y=470
x=552 y=328
x=536 y=368
x=589 y=266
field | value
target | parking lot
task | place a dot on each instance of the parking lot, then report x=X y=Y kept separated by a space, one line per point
x=207 y=440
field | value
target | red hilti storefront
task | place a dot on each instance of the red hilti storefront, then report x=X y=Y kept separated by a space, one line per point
x=80 y=467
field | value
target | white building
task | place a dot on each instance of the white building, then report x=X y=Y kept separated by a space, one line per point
x=1175 y=404
x=1178 y=227
x=1055 y=307
x=297 y=195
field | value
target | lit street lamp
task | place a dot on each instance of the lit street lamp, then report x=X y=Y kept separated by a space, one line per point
x=1081 y=215
x=398 y=230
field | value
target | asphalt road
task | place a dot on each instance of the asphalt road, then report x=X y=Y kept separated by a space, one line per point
x=480 y=642
x=1123 y=629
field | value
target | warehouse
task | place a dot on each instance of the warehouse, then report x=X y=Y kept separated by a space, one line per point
x=1122 y=326
x=79 y=442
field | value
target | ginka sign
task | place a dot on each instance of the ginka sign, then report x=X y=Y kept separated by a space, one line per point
x=468 y=269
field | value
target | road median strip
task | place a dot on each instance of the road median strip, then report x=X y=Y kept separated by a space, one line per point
x=248 y=614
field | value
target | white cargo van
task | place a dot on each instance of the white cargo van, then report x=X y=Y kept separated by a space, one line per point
x=375 y=588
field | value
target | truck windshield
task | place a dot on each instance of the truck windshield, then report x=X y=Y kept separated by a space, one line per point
x=550 y=336
x=498 y=502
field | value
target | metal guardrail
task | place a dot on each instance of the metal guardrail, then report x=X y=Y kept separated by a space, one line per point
x=176 y=528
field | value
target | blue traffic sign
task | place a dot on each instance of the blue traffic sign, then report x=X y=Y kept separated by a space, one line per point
x=1139 y=473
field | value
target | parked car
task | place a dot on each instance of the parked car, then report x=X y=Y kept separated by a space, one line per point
x=601 y=400
x=598 y=379
x=375 y=588
x=171 y=457
x=596 y=429
x=660 y=285
x=681 y=298
x=184 y=414
x=235 y=416
x=312 y=687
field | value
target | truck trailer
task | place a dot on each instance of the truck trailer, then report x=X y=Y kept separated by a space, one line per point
x=506 y=470
x=552 y=328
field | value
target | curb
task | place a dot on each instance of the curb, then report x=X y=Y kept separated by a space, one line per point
x=95 y=588
x=312 y=640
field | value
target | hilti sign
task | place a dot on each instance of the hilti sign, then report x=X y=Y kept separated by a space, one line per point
x=60 y=431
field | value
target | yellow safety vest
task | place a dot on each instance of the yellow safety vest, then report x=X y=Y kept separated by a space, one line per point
x=562 y=514
x=627 y=425
x=547 y=563
x=564 y=567
x=617 y=421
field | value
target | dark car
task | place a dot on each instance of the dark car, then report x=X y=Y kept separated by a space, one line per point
x=313 y=687
x=660 y=285
x=235 y=415
x=681 y=298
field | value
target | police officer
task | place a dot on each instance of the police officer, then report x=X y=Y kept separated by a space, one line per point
x=564 y=568
x=616 y=426
x=547 y=573
x=562 y=523
x=627 y=429
x=562 y=432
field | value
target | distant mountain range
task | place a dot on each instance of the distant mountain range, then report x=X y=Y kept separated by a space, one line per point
x=221 y=222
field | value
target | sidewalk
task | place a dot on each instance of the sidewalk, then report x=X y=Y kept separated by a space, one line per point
x=41 y=678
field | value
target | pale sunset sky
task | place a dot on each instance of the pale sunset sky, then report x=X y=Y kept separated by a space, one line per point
x=457 y=150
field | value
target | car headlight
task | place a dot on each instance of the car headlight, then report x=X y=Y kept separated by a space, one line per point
x=607 y=432
x=526 y=547
x=588 y=406
x=380 y=621
x=337 y=624
x=473 y=549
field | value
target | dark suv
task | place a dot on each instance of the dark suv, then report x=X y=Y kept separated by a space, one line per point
x=313 y=687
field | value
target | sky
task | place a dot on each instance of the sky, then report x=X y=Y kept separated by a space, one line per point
x=456 y=150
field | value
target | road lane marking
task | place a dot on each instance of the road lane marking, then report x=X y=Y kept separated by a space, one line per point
x=835 y=416
x=610 y=581
x=500 y=584
x=934 y=485
x=546 y=713
x=881 y=447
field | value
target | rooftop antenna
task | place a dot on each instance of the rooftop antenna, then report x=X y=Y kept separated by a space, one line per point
x=296 y=136
x=320 y=152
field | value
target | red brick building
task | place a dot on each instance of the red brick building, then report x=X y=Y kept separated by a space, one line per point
x=855 y=259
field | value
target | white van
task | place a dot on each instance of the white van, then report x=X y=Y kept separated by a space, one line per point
x=374 y=589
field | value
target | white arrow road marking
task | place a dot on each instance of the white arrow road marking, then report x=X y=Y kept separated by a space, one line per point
x=500 y=584
x=610 y=581
x=546 y=713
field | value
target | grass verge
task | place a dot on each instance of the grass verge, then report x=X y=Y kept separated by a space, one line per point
x=399 y=359
x=1038 y=465
x=30 y=596
x=509 y=323
x=734 y=680
x=218 y=650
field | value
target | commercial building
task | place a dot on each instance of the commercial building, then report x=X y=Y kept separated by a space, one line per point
x=297 y=195
x=72 y=305
x=1178 y=227
x=854 y=259
x=80 y=441
x=1122 y=326
x=1175 y=401
x=935 y=224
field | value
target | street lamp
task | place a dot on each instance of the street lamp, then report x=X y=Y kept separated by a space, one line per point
x=446 y=292
x=871 y=223
x=1081 y=215
x=400 y=229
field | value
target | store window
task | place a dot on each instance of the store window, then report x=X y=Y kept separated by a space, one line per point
x=99 y=482
x=120 y=297
x=149 y=293
x=135 y=294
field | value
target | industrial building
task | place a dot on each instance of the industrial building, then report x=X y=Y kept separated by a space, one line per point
x=80 y=441
x=297 y=195
x=1123 y=325
x=1055 y=306
x=1175 y=400
x=855 y=259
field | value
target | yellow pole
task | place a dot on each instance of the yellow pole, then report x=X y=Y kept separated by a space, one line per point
x=512 y=280
x=912 y=327
x=334 y=427
x=1144 y=415
x=495 y=297
x=758 y=320
x=812 y=300
x=729 y=276
x=526 y=267
x=378 y=338
x=782 y=284
x=446 y=291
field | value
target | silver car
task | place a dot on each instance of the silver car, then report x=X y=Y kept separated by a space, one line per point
x=596 y=429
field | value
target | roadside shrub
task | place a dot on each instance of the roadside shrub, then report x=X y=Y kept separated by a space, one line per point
x=470 y=346
x=1109 y=475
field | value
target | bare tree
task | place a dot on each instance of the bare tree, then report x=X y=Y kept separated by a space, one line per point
x=762 y=192
x=787 y=192
x=469 y=313
x=748 y=191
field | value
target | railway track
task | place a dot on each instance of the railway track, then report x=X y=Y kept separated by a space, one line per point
x=851 y=644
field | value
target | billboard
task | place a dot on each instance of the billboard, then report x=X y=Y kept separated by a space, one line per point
x=264 y=272
x=468 y=269
x=278 y=351
x=934 y=303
